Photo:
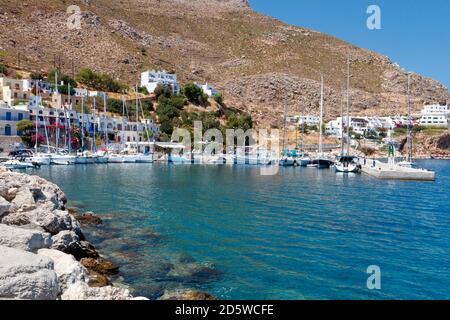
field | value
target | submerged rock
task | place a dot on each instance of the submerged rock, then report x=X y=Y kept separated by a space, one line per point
x=68 y=270
x=97 y=280
x=25 y=275
x=186 y=294
x=100 y=265
x=88 y=218
x=193 y=272
x=24 y=239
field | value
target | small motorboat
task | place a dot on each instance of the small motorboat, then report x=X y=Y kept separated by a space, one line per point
x=19 y=164
x=144 y=158
x=321 y=163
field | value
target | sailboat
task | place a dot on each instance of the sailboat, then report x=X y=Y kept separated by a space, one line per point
x=320 y=162
x=303 y=159
x=345 y=162
x=39 y=157
x=146 y=157
x=65 y=157
x=408 y=162
x=286 y=160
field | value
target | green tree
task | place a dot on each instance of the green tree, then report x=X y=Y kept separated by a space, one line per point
x=218 y=98
x=163 y=91
x=166 y=127
x=194 y=94
x=51 y=77
x=143 y=90
x=3 y=69
x=36 y=76
x=27 y=128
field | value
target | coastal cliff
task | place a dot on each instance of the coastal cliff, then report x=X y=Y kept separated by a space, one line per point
x=44 y=254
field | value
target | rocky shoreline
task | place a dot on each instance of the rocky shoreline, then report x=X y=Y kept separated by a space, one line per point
x=44 y=254
x=43 y=251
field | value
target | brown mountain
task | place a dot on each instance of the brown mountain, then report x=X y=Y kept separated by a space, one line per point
x=256 y=61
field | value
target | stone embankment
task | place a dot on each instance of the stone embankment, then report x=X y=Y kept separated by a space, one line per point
x=43 y=251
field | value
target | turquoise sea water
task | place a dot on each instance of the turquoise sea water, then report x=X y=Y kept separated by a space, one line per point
x=302 y=234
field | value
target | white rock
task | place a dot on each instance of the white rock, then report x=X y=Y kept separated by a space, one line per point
x=4 y=207
x=65 y=240
x=25 y=275
x=81 y=291
x=24 y=239
x=68 y=269
x=51 y=221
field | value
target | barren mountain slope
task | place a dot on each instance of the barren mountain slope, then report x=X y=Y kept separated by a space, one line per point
x=258 y=62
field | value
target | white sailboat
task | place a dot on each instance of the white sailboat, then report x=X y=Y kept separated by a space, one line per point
x=345 y=162
x=320 y=162
x=286 y=160
x=408 y=162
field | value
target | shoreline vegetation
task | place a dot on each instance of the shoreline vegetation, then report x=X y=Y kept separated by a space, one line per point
x=44 y=254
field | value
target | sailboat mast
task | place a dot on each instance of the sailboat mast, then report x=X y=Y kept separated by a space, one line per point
x=409 y=138
x=94 y=147
x=284 y=124
x=123 y=123
x=82 y=123
x=342 y=125
x=348 y=105
x=69 y=118
x=321 y=115
x=106 y=123
x=37 y=112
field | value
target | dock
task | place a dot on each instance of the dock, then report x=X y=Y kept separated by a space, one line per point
x=381 y=170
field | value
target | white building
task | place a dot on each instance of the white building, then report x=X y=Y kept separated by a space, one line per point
x=151 y=79
x=9 y=116
x=209 y=90
x=307 y=120
x=12 y=90
x=81 y=92
x=435 y=115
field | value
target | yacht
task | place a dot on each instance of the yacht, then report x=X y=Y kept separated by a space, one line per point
x=347 y=164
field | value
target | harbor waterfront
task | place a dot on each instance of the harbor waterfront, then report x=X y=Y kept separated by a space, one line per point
x=236 y=234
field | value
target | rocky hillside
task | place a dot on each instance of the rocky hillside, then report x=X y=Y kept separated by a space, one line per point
x=258 y=62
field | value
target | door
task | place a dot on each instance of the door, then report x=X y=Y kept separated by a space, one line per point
x=8 y=116
x=7 y=130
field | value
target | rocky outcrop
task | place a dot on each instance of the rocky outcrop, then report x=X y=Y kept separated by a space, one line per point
x=24 y=275
x=41 y=244
x=68 y=270
x=81 y=291
x=69 y=242
x=24 y=239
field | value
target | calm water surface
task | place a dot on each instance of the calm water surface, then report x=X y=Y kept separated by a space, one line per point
x=302 y=234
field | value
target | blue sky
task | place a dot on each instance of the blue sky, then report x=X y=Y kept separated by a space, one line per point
x=415 y=34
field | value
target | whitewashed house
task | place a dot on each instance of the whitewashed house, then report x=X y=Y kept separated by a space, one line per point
x=81 y=92
x=435 y=115
x=9 y=116
x=151 y=79
x=209 y=90
x=14 y=90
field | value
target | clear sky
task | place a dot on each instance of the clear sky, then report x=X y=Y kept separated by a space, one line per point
x=414 y=33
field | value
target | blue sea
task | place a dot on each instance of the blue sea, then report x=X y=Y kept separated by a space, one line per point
x=301 y=234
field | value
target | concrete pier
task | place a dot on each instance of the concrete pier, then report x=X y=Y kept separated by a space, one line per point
x=381 y=170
